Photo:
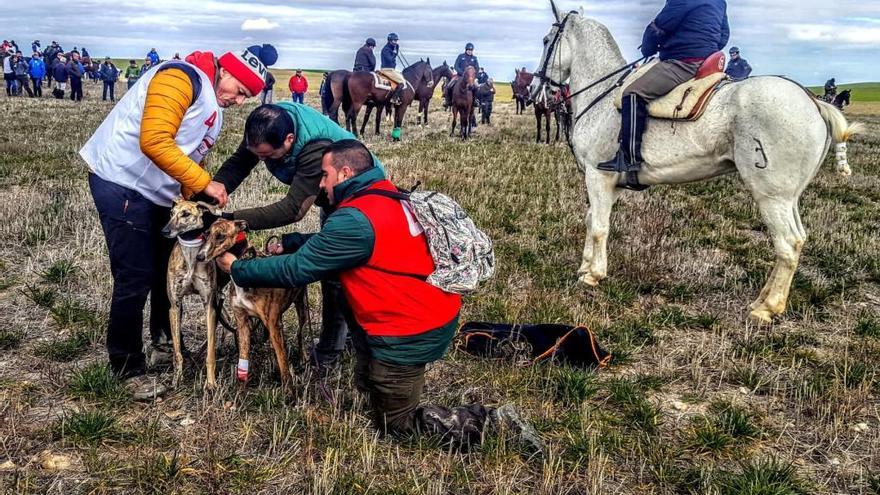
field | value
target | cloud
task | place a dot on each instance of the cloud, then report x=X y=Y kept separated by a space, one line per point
x=261 y=24
x=834 y=33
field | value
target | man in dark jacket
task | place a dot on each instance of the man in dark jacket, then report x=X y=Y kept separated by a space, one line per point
x=830 y=90
x=266 y=96
x=482 y=77
x=467 y=59
x=399 y=322
x=75 y=73
x=109 y=74
x=389 y=67
x=61 y=75
x=738 y=68
x=364 y=60
x=22 y=74
x=685 y=32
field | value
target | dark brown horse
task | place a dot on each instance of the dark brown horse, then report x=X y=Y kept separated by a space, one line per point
x=332 y=90
x=420 y=78
x=520 y=87
x=358 y=89
x=424 y=93
x=463 y=101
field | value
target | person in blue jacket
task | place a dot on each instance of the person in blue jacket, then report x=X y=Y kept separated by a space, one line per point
x=685 y=33
x=389 y=66
x=466 y=59
x=37 y=71
x=738 y=68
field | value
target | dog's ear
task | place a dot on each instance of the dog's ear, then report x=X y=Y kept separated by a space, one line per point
x=241 y=225
x=177 y=200
x=210 y=208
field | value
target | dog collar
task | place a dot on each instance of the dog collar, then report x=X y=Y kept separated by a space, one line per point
x=192 y=243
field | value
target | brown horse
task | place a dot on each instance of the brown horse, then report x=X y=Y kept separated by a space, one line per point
x=520 y=87
x=421 y=78
x=463 y=101
x=424 y=93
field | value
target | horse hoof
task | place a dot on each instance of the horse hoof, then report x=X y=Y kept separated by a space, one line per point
x=761 y=316
x=588 y=279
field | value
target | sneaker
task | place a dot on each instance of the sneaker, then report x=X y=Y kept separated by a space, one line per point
x=508 y=417
x=144 y=387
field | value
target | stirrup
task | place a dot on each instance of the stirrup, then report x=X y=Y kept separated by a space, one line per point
x=632 y=181
x=616 y=164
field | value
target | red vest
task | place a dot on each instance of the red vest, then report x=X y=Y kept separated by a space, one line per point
x=389 y=295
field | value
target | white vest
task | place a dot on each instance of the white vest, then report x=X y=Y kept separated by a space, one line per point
x=114 y=151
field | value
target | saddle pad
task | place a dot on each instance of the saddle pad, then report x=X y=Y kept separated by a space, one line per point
x=381 y=82
x=685 y=102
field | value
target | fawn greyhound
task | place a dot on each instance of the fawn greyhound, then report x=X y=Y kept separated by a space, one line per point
x=264 y=303
x=187 y=275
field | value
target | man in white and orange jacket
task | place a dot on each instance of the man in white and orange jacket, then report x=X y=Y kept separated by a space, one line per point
x=148 y=151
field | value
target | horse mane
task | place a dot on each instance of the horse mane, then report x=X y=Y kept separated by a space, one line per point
x=414 y=67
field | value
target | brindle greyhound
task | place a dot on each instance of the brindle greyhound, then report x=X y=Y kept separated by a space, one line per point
x=264 y=303
x=187 y=275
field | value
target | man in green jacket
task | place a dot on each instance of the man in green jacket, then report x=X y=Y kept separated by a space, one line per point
x=399 y=322
x=290 y=139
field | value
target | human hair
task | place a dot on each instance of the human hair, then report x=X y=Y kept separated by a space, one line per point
x=268 y=124
x=351 y=153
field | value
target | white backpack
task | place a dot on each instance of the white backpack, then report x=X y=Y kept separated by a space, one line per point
x=462 y=253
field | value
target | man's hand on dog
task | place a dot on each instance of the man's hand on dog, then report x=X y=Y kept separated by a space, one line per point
x=225 y=261
x=217 y=191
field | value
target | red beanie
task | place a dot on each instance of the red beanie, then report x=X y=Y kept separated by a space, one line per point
x=247 y=68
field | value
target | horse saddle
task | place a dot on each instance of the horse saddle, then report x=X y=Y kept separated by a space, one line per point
x=686 y=101
x=381 y=81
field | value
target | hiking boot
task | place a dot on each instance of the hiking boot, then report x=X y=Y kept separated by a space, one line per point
x=144 y=387
x=508 y=418
x=160 y=355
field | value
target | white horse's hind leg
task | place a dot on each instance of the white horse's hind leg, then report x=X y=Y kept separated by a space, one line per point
x=783 y=220
x=602 y=194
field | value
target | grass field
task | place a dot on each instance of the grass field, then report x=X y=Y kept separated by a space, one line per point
x=696 y=400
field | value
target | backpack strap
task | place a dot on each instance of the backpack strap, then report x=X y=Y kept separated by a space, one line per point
x=380 y=192
x=191 y=73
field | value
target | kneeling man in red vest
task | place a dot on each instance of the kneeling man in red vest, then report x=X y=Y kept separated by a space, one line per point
x=399 y=322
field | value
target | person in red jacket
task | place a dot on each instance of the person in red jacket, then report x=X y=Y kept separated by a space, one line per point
x=399 y=322
x=298 y=86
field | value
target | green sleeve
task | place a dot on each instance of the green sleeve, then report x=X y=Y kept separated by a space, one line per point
x=346 y=241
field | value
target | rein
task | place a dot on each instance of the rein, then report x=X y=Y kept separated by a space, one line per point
x=626 y=69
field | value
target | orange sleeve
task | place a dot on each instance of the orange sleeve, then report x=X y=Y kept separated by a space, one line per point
x=168 y=98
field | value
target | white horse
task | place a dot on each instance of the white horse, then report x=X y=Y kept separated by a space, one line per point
x=767 y=129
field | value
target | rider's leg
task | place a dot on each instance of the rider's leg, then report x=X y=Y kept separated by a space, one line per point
x=657 y=82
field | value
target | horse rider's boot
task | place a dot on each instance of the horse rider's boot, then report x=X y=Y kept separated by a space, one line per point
x=395 y=96
x=629 y=157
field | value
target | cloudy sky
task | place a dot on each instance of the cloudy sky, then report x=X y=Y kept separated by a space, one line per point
x=809 y=40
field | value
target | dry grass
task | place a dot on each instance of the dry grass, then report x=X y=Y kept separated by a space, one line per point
x=697 y=401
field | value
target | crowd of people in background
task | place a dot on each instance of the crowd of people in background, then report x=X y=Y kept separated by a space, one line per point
x=63 y=71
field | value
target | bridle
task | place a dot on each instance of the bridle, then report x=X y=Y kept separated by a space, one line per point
x=626 y=69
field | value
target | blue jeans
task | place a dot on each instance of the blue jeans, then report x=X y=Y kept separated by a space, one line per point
x=138 y=263
x=297 y=97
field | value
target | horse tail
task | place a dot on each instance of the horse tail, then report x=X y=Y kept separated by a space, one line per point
x=841 y=131
x=346 y=94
